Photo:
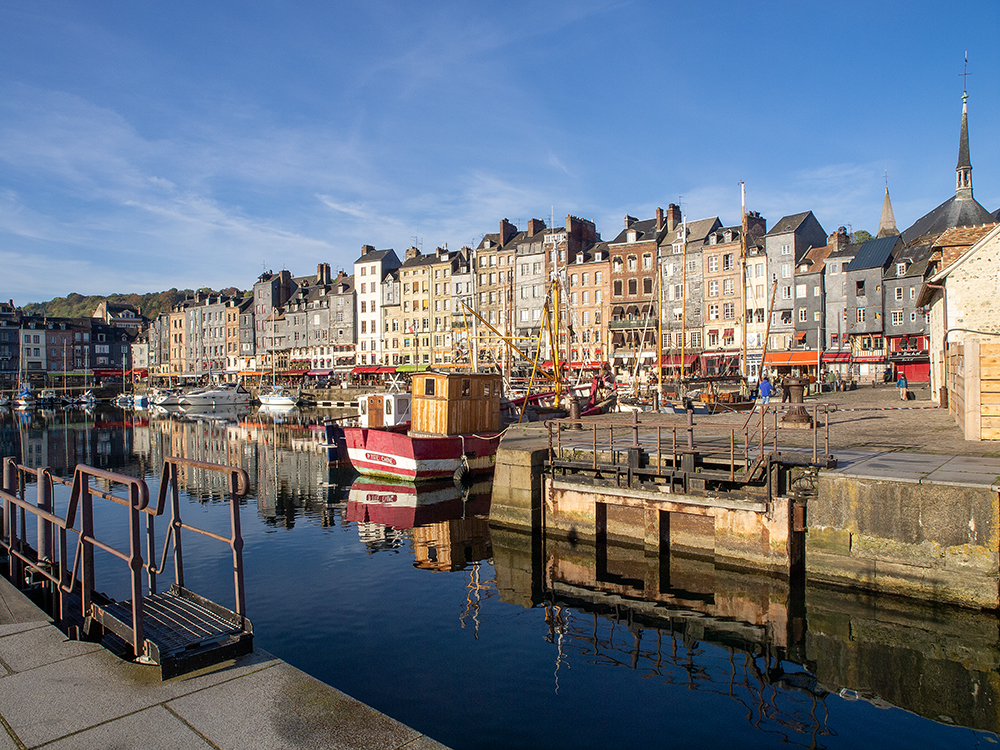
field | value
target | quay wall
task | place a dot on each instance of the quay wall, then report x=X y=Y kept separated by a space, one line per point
x=930 y=541
x=936 y=542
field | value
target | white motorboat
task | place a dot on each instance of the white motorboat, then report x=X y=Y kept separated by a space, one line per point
x=224 y=394
x=166 y=396
x=278 y=396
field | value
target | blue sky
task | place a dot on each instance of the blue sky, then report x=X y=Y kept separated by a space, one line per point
x=148 y=144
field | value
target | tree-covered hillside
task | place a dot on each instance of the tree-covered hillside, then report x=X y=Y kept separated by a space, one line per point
x=150 y=305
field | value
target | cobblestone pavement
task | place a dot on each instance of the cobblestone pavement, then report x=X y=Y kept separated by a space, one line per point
x=876 y=419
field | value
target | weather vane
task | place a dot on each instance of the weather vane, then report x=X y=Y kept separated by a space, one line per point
x=965 y=75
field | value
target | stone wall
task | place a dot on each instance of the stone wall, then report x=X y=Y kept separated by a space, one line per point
x=930 y=541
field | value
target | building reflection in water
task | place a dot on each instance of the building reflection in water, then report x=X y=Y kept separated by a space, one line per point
x=783 y=650
x=779 y=648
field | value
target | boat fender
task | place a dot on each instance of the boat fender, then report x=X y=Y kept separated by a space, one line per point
x=462 y=477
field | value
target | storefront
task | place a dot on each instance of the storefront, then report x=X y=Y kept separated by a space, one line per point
x=797 y=363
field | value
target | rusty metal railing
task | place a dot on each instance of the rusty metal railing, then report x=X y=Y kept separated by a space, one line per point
x=737 y=447
x=239 y=483
x=50 y=558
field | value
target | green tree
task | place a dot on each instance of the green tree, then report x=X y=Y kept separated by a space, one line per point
x=862 y=236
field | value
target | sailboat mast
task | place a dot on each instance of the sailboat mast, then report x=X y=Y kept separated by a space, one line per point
x=743 y=275
x=684 y=262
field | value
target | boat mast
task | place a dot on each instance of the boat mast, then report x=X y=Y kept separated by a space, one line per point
x=743 y=275
x=659 y=316
x=684 y=262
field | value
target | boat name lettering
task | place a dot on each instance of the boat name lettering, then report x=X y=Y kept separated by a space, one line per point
x=374 y=497
x=380 y=458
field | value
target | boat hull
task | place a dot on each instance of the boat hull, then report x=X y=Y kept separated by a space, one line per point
x=417 y=458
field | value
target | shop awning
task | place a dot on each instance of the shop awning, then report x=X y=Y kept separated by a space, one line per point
x=729 y=332
x=593 y=365
x=250 y=373
x=365 y=370
x=870 y=358
x=800 y=336
x=294 y=372
x=409 y=368
x=790 y=359
x=318 y=372
x=836 y=356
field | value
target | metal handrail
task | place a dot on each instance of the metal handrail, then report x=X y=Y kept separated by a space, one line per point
x=239 y=484
x=55 y=567
x=51 y=559
x=730 y=436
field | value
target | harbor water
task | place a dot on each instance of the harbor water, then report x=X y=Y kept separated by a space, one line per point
x=485 y=638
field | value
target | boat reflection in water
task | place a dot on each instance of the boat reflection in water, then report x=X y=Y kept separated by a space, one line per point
x=449 y=529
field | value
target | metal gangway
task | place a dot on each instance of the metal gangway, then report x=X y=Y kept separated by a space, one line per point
x=177 y=629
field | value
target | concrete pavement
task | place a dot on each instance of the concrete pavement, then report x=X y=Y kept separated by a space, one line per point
x=68 y=694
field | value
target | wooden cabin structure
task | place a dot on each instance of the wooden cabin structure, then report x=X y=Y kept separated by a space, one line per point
x=460 y=403
x=383 y=409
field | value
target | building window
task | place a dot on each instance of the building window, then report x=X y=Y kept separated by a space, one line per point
x=632 y=263
x=728 y=287
x=729 y=311
x=713 y=311
x=800 y=291
x=859 y=288
x=713 y=288
x=786 y=292
x=900 y=269
x=786 y=270
x=861 y=315
x=713 y=263
x=633 y=287
x=803 y=315
x=647 y=261
x=897 y=316
x=647 y=285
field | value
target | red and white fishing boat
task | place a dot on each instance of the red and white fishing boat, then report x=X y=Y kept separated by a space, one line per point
x=454 y=431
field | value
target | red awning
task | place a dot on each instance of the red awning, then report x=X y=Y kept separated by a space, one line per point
x=250 y=373
x=800 y=335
x=714 y=332
x=365 y=370
x=790 y=359
x=385 y=370
x=836 y=356
x=728 y=332
x=318 y=372
x=869 y=358
x=294 y=372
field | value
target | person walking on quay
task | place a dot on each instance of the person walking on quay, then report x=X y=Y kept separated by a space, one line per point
x=765 y=391
x=786 y=390
x=902 y=385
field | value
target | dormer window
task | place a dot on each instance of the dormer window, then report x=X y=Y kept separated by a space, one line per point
x=631 y=235
x=900 y=269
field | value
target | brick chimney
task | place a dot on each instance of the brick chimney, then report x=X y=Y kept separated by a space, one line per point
x=322 y=273
x=673 y=216
x=659 y=219
x=756 y=224
x=365 y=249
x=412 y=252
x=507 y=231
x=629 y=221
x=535 y=226
x=839 y=238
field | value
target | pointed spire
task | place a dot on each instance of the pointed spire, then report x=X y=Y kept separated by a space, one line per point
x=887 y=224
x=963 y=179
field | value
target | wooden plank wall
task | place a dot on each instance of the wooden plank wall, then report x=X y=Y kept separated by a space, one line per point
x=955 y=381
x=989 y=390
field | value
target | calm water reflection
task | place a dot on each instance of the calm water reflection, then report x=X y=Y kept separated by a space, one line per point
x=494 y=639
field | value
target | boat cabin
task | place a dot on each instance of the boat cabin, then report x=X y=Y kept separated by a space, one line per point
x=459 y=403
x=383 y=409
